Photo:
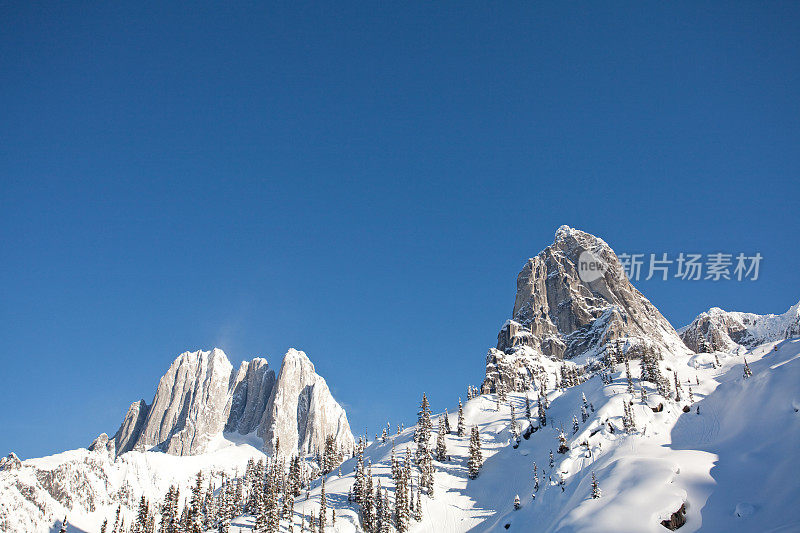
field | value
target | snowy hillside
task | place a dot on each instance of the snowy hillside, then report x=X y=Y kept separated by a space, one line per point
x=731 y=466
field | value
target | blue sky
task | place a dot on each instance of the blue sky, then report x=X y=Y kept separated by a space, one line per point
x=363 y=182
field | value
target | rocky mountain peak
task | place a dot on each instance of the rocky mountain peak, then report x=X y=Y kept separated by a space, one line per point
x=720 y=330
x=201 y=397
x=561 y=311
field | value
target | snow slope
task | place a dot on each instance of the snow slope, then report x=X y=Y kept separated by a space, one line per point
x=735 y=456
x=87 y=486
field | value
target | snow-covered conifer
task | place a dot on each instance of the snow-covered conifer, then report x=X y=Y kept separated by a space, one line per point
x=517 y=503
x=596 y=492
x=461 y=429
x=475 y=457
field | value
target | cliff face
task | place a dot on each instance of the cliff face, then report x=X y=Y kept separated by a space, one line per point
x=201 y=397
x=718 y=330
x=301 y=411
x=562 y=310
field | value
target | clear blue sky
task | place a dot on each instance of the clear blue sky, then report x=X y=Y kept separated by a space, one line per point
x=363 y=182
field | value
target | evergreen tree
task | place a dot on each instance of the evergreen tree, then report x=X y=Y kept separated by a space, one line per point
x=441 y=441
x=418 y=507
x=562 y=443
x=596 y=492
x=575 y=426
x=517 y=503
x=386 y=521
x=691 y=396
x=552 y=463
x=514 y=427
x=140 y=526
x=63 y=526
x=195 y=523
x=542 y=413
x=425 y=463
x=628 y=374
x=535 y=479
x=747 y=371
x=643 y=393
x=424 y=426
x=323 y=507
x=475 y=457
x=104 y=526
x=527 y=407
x=461 y=428
x=446 y=422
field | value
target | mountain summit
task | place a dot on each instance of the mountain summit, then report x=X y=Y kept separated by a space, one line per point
x=560 y=314
x=201 y=398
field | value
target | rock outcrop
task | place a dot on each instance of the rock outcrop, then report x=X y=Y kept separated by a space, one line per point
x=562 y=311
x=718 y=330
x=10 y=462
x=301 y=411
x=201 y=398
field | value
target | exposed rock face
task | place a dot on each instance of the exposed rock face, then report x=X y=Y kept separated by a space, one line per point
x=128 y=433
x=718 y=330
x=189 y=406
x=301 y=411
x=103 y=444
x=251 y=390
x=10 y=462
x=200 y=398
x=560 y=315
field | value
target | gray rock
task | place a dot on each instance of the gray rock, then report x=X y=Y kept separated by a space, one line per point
x=200 y=398
x=10 y=462
x=560 y=315
x=128 y=433
x=301 y=411
x=718 y=330
x=251 y=389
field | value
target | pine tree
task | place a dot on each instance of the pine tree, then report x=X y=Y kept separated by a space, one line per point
x=441 y=441
x=196 y=504
x=63 y=526
x=562 y=443
x=596 y=492
x=535 y=479
x=552 y=463
x=323 y=505
x=425 y=463
x=104 y=526
x=643 y=393
x=517 y=503
x=527 y=407
x=461 y=428
x=141 y=516
x=386 y=521
x=418 y=507
x=514 y=427
x=747 y=371
x=116 y=520
x=424 y=426
x=475 y=457
x=446 y=422
x=628 y=374
x=542 y=413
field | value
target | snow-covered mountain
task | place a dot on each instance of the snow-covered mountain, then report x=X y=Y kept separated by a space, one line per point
x=600 y=397
x=728 y=330
x=559 y=314
x=200 y=397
